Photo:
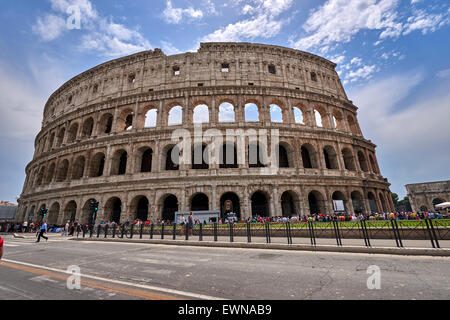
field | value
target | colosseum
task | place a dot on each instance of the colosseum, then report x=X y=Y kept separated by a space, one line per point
x=107 y=135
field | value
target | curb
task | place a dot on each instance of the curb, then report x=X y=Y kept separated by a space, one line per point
x=295 y=247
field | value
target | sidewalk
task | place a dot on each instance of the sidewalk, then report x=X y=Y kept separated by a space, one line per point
x=411 y=247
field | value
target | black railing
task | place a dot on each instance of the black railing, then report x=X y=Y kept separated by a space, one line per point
x=370 y=231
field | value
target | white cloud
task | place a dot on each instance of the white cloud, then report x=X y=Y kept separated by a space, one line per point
x=175 y=15
x=49 y=27
x=444 y=73
x=262 y=23
x=168 y=48
x=338 y=21
x=411 y=141
x=101 y=34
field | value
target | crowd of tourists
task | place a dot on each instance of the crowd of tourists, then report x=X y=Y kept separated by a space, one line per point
x=72 y=227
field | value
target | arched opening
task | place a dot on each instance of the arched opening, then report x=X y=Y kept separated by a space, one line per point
x=349 y=160
x=423 y=209
x=298 y=116
x=357 y=202
x=119 y=163
x=170 y=206
x=146 y=159
x=88 y=126
x=229 y=203
x=142 y=208
x=372 y=202
x=362 y=161
x=70 y=212
x=172 y=161
x=373 y=164
x=201 y=114
x=338 y=121
x=330 y=156
x=150 y=118
x=228 y=156
x=40 y=176
x=129 y=122
x=51 y=141
x=339 y=196
x=97 y=165
x=72 y=134
x=200 y=157
x=276 y=113
x=63 y=168
x=50 y=173
x=288 y=208
x=437 y=201
x=88 y=213
x=316 y=202
x=78 y=168
x=318 y=118
x=53 y=214
x=308 y=157
x=60 y=139
x=352 y=125
x=256 y=155
x=383 y=203
x=251 y=112
x=282 y=157
x=175 y=116
x=226 y=112
x=105 y=125
x=259 y=204
x=113 y=210
x=200 y=202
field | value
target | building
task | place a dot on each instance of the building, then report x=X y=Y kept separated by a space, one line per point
x=424 y=196
x=108 y=134
x=7 y=212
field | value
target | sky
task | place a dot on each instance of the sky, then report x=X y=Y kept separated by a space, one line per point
x=392 y=57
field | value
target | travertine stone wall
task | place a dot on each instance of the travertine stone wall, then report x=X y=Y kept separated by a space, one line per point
x=86 y=125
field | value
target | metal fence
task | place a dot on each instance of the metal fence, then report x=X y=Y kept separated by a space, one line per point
x=367 y=231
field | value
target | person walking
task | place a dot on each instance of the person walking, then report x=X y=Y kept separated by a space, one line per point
x=191 y=223
x=42 y=231
x=182 y=223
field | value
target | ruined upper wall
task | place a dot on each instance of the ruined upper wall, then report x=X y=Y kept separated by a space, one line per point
x=153 y=71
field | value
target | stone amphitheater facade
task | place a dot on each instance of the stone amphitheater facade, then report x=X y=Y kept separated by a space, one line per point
x=95 y=141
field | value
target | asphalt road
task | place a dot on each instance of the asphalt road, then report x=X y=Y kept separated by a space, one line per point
x=142 y=271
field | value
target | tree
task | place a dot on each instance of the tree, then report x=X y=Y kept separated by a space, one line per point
x=394 y=198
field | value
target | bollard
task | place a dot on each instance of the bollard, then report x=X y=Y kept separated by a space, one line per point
x=311 y=233
x=186 y=229
x=434 y=234
x=141 y=231
x=267 y=227
x=106 y=231
x=122 y=231
x=98 y=231
x=215 y=231
x=84 y=231
x=288 y=232
x=91 y=231
x=114 y=231
x=200 y=234
x=431 y=233
x=174 y=231
x=249 y=234
x=231 y=232
x=152 y=228
x=162 y=231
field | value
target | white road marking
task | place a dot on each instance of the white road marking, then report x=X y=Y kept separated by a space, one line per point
x=43 y=279
x=142 y=286
x=157 y=261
